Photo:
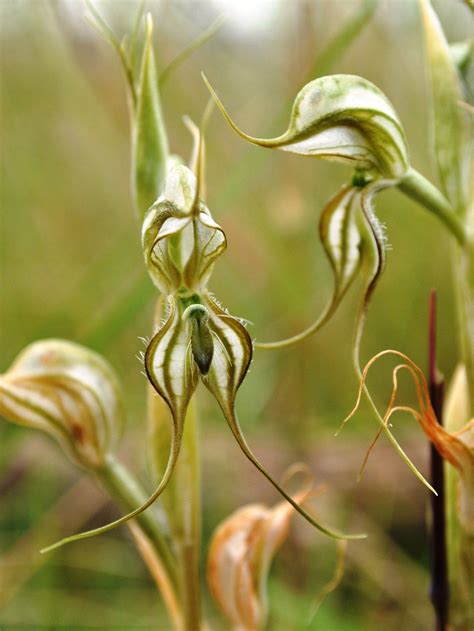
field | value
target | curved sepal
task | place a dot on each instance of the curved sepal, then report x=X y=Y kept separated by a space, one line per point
x=344 y=118
x=169 y=365
x=351 y=237
x=171 y=371
x=232 y=354
x=232 y=357
x=341 y=238
x=373 y=260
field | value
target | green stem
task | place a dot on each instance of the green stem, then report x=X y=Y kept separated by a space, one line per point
x=460 y=536
x=417 y=187
x=182 y=503
x=460 y=543
x=186 y=522
x=464 y=287
x=128 y=493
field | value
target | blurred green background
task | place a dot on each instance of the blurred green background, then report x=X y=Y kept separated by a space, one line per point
x=72 y=267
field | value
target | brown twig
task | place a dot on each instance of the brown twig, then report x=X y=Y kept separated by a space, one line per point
x=439 y=569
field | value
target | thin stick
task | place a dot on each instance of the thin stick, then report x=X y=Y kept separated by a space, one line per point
x=439 y=569
x=157 y=571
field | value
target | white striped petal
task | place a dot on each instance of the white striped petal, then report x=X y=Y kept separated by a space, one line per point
x=341 y=237
x=230 y=362
x=232 y=354
x=344 y=118
x=240 y=557
x=181 y=241
x=169 y=365
x=69 y=392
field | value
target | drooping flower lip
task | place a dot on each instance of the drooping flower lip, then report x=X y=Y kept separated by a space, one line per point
x=344 y=118
x=181 y=240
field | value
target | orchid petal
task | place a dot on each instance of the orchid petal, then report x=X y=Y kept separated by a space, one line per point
x=240 y=555
x=344 y=118
x=341 y=237
x=181 y=241
x=171 y=372
x=232 y=356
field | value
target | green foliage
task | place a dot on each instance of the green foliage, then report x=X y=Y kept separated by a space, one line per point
x=453 y=136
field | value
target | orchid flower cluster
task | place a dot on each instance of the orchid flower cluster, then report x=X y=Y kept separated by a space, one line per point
x=72 y=393
x=198 y=340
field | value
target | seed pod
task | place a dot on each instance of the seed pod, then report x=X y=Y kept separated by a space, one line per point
x=69 y=392
x=344 y=118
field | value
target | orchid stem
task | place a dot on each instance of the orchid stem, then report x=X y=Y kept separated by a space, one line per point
x=186 y=521
x=127 y=492
x=181 y=501
x=418 y=188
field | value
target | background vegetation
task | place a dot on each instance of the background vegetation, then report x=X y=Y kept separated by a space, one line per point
x=72 y=267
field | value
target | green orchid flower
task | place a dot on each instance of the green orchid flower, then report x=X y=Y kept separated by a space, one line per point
x=198 y=340
x=344 y=118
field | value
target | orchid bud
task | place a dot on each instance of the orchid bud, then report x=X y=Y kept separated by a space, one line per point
x=149 y=141
x=344 y=118
x=69 y=392
x=452 y=126
x=240 y=556
x=180 y=238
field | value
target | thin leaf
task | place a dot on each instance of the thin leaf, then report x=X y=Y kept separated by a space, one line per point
x=101 y=25
x=133 y=41
x=149 y=141
x=189 y=50
x=339 y=44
